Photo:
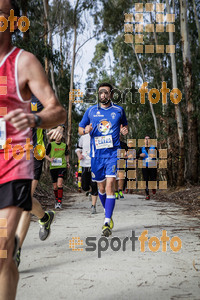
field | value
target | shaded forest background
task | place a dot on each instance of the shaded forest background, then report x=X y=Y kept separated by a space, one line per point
x=176 y=127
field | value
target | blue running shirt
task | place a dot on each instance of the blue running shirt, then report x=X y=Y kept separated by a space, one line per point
x=106 y=129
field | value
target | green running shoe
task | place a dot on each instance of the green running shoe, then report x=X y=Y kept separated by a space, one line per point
x=111 y=223
x=45 y=226
x=17 y=259
x=116 y=195
x=16 y=249
x=121 y=195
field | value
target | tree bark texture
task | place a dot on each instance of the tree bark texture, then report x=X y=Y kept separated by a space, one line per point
x=192 y=133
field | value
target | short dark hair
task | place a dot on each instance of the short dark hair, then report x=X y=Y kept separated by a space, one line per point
x=15 y=5
x=106 y=84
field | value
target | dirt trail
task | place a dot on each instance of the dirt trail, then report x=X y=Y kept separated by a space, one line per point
x=51 y=269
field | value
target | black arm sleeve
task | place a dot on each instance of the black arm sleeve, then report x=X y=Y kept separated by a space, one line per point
x=48 y=149
x=138 y=153
x=157 y=153
x=66 y=151
x=78 y=145
x=123 y=146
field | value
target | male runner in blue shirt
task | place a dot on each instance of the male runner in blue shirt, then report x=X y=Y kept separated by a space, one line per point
x=104 y=122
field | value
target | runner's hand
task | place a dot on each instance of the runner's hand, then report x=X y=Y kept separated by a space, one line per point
x=19 y=119
x=81 y=156
x=56 y=133
x=88 y=128
x=124 y=130
x=68 y=165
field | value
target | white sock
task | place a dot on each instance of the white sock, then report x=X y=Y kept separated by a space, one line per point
x=107 y=220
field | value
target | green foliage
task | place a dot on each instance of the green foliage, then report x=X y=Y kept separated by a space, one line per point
x=126 y=71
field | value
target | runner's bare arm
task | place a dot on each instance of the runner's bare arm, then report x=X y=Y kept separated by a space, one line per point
x=32 y=80
x=85 y=130
x=79 y=154
x=49 y=158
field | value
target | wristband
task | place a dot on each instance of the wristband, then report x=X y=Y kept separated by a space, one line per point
x=38 y=121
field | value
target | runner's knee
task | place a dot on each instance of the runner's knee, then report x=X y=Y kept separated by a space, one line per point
x=109 y=190
x=102 y=190
x=55 y=185
x=110 y=186
x=94 y=189
x=85 y=185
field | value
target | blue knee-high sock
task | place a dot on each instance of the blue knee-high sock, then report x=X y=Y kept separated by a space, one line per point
x=102 y=197
x=109 y=206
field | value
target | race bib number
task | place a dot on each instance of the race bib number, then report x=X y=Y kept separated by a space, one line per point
x=102 y=142
x=2 y=133
x=86 y=155
x=57 y=162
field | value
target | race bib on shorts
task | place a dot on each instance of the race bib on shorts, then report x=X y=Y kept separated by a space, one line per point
x=57 y=162
x=102 y=142
x=2 y=133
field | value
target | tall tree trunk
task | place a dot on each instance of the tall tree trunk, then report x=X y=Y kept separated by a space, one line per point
x=69 y=132
x=165 y=123
x=188 y=84
x=196 y=20
x=180 y=179
x=158 y=59
x=46 y=61
x=45 y=4
x=151 y=106
x=61 y=53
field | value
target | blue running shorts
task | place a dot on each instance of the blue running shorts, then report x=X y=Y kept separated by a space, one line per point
x=103 y=167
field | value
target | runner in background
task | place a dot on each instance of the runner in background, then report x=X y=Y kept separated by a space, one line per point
x=130 y=165
x=149 y=154
x=79 y=176
x=45 y=217
x=83 y=153
x=58 y=155
x=76 y=175
x=120 y=180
